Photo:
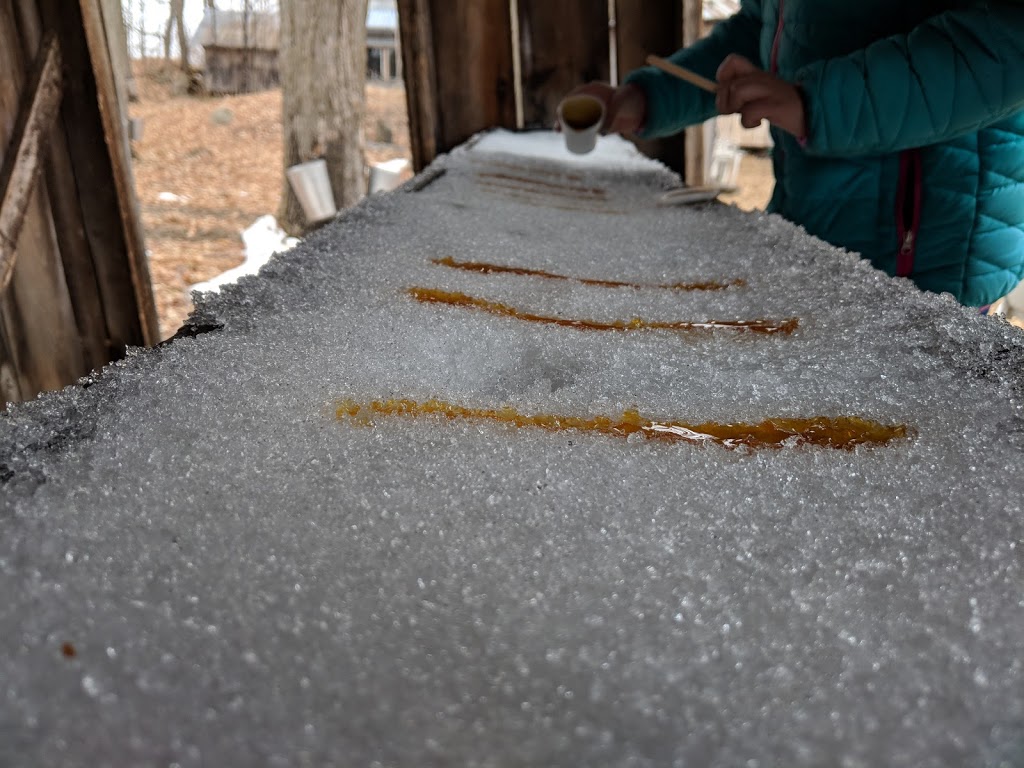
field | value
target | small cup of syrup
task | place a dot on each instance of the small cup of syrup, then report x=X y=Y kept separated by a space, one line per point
x=581 y=118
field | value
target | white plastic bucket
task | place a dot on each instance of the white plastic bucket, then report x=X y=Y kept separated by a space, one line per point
x=312 y=186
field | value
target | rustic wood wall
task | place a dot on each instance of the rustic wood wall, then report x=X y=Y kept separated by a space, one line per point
x=78 y=292
x=561 y=45
x=459 y=71
x=645 y=27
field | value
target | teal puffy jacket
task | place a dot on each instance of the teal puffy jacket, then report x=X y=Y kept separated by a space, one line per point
x=914 y=156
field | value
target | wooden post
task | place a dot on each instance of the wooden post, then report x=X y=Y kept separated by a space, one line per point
x=22 y=166
x=118 y=147
x=458 y=66
x=69 y=229
x=474 y=68
x=130 y=319
x=117 y=37
x=562 y=45
x=644 y=27
x=42 y=348
x=693 y=27
x=417 y=40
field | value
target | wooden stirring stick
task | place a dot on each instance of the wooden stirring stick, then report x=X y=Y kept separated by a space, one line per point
x=683 y=74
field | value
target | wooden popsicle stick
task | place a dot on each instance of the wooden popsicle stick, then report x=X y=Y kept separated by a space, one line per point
x=683 y=74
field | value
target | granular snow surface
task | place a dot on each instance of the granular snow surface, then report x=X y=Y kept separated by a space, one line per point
x=202 y=566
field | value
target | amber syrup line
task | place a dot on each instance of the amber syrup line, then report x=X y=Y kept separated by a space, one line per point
x=538 y=171
x=844 y=432
x=539 y=200
x=454 y=299
x=546 y=194
x=490 y=269
x=547 y=186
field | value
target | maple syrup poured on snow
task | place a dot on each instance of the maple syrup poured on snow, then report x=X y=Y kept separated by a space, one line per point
x=490 y=269
x=434 y=296
x=845 y=432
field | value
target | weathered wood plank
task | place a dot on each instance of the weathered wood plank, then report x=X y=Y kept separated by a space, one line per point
x=67 y=218
x=473 y=53
x=40 y=334
x=116 y=139
x=10 y=391
x=459 y=63
x=49 y=350
x=417 y=41
x=117 y=38
x=562 y=45
x=644 y=27
x=91 y=165
x=24 y=162
x=693 y=28
x=458 y=71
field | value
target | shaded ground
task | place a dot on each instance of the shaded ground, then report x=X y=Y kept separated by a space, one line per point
x=218 y=161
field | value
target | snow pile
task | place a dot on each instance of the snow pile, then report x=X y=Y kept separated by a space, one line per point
x=262 y=240
x=611 y=153
x=202 y=565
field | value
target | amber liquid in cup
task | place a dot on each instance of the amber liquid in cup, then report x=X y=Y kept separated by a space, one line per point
x=581 y=112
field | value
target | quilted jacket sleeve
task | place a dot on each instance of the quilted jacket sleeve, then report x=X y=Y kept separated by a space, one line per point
x=954 y=74
x=673 y=104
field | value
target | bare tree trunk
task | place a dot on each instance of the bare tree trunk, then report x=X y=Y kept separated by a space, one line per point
x=167 y=37
x=176 y=20
x=178 y=14
x=323 y=77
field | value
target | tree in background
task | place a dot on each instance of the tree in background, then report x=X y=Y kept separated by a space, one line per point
x=323 y=76
x=176 y=19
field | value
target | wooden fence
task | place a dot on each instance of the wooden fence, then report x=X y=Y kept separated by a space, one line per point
x=74 y=281
x=463 y=59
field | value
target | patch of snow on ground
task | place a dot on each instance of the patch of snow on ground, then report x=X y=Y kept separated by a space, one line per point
x=262 y=240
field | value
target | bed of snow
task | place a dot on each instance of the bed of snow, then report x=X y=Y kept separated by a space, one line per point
x=201 y=566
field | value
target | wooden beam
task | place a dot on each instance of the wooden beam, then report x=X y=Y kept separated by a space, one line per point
x=95 y=183
x=417 y=43
x=68 y=226
x=473 y=53
x=562 y=45
x=458 y=71
x=693 y=28
x=117 y=39
x=40 y=104
x=645 y=27
x=111 y=114
x=42 y=341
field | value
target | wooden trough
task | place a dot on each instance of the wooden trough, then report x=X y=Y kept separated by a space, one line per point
x=496 y=470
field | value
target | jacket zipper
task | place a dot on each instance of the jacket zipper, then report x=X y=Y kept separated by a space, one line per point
x=773 y=67
x=774 y=62
x=908 y=210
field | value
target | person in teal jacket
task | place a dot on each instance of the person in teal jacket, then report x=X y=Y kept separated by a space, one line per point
x=898 y=126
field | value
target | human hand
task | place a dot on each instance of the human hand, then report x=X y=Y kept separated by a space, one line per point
x=758 y=95
x=624 y=107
